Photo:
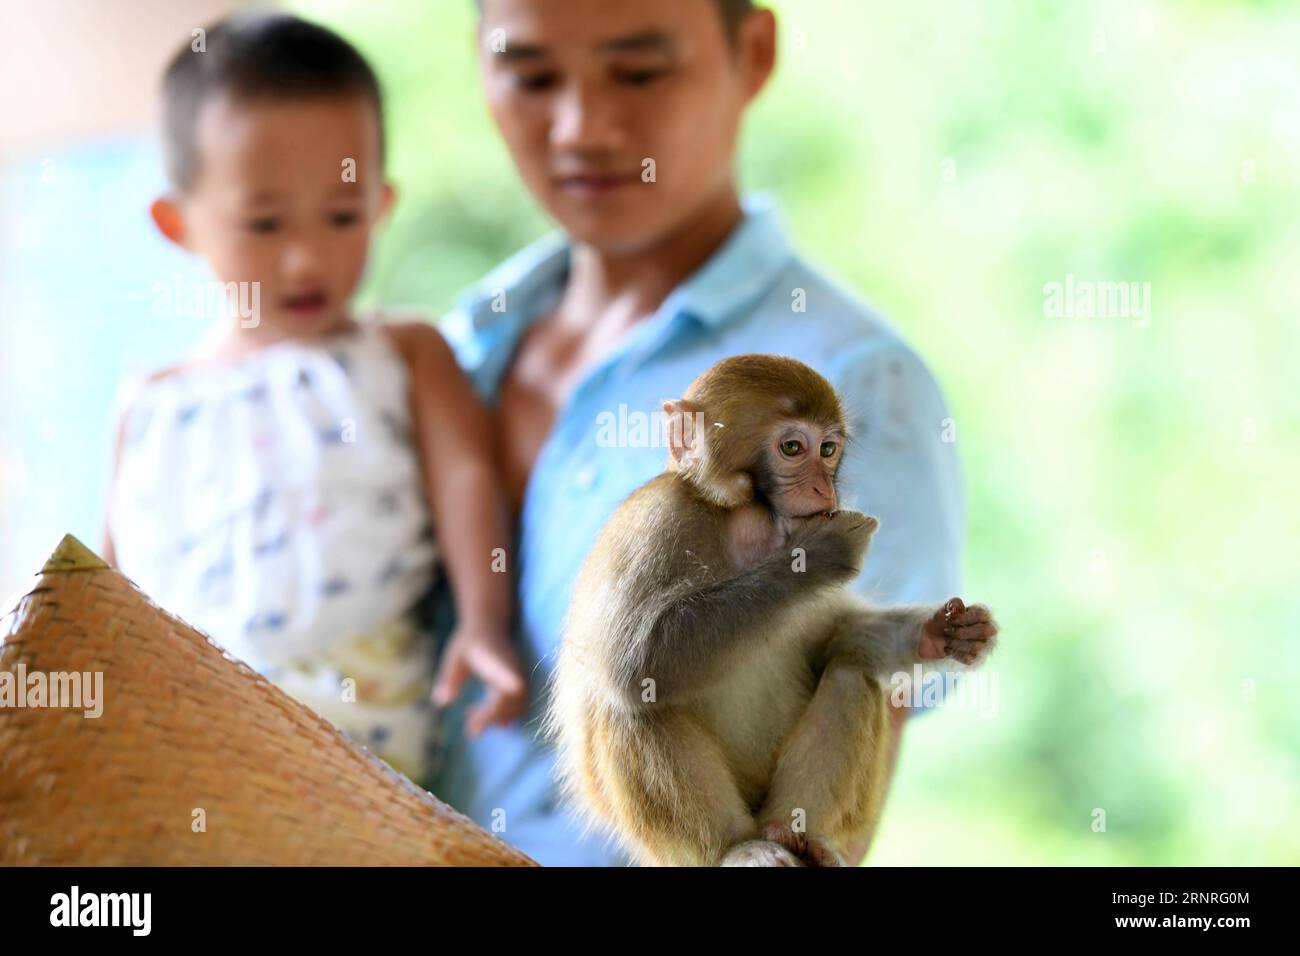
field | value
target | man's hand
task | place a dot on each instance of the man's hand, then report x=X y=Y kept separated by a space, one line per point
x=489 y=656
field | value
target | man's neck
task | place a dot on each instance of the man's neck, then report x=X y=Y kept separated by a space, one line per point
x=624 y=287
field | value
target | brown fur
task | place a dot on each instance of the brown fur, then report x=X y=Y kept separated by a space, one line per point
x=708 y=695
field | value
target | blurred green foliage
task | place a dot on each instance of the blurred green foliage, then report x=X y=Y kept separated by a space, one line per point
x=1133 y=516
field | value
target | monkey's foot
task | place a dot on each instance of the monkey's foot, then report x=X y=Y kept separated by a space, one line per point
x=759 y=853
x=810 y=850
x=964 y=633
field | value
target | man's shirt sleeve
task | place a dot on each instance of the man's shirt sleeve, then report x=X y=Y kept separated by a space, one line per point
x=457 y=327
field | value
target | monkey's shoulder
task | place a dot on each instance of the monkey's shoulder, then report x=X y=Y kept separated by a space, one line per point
x=663 y=531
x=662 y=488
x=668 y=509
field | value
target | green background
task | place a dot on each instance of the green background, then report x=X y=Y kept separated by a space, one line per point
x=1131 y=489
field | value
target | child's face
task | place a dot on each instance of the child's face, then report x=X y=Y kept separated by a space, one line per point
x=286 y=194
x=586 y=92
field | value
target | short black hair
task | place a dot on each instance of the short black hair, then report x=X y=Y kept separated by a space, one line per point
x=255 y=56
x=733 y=12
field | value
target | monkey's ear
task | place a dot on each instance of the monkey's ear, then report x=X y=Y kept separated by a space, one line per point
x=684 y=431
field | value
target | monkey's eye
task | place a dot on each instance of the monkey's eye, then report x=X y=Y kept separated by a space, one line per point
x=828 y=449
x=791 y=447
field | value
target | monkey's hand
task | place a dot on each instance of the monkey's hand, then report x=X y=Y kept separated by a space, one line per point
x=835 y=546
x=966 y=634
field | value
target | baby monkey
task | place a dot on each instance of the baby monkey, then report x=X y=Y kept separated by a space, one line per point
x=719 y=698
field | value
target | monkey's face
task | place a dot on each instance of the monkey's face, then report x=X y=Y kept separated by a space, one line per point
x=797 y=472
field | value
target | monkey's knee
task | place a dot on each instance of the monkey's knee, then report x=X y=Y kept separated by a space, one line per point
x=849 y=650
x=848 y=691
x=847 y=674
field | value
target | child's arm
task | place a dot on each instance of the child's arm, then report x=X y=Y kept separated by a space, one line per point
x=452 y=434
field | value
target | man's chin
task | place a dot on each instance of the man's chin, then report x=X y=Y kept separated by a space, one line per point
x=619 y=229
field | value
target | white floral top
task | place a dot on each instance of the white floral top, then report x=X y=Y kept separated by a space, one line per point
x=275 y=502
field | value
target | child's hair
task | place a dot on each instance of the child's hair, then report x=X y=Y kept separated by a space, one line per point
x=256 y=56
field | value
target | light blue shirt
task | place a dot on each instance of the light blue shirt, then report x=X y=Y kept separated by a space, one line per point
x=754 y=295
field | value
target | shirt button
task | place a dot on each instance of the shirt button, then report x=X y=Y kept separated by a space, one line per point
x=584 y=477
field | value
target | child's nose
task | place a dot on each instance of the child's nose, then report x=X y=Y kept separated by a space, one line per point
x=298 y=259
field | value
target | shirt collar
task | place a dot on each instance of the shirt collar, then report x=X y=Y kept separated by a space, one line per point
x=741 y=271
x=520 y=285
x=744 y=268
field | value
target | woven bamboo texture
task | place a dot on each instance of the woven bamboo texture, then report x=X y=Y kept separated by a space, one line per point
x=196 y=759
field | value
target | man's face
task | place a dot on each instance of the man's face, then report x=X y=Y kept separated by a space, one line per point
x=621 y=115
x=276 y=201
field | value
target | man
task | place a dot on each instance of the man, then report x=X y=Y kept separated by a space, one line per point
x=622 y=117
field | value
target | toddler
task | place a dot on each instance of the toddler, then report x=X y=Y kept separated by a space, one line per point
x=294 y=486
